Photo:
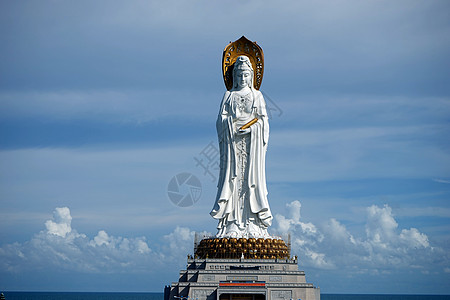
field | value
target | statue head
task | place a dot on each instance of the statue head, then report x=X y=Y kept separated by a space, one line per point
x=242 y=72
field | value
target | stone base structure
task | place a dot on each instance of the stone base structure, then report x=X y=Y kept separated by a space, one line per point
x=241 y=279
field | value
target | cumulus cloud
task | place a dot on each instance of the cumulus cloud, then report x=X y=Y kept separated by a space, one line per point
x=61 y=247
x=385 y=246
x=180 y=241
x=61 y=225
x=381 y=226
x=381 y=230
x=286 y=224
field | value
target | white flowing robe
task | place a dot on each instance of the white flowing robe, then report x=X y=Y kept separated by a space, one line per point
x=226 y=205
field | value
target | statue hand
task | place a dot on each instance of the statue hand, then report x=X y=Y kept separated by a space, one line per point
x=242 y=132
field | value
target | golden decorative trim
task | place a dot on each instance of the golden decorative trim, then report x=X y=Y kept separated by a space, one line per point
x=245 y=47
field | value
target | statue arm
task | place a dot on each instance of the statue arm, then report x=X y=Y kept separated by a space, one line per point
x=261 y=114
x=221 y=124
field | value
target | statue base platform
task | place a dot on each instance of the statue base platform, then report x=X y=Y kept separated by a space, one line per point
x=241 y=279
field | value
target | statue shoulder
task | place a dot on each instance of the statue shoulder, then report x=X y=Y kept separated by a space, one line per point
x=258 y=95
x=226 y=96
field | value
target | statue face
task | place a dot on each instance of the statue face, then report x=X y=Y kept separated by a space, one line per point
x=243 y=78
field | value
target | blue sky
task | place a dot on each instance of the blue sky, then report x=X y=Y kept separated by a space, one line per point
x=103 y=102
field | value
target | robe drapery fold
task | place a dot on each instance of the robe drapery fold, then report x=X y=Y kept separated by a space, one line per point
x=227 y=208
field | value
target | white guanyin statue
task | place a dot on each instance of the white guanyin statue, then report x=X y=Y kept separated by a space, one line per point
x=241 y=205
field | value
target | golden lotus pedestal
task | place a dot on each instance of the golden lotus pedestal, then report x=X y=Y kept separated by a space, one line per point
x=241 y=269
x=242 y=248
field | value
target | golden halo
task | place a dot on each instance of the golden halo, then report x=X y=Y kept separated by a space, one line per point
x=245 y=47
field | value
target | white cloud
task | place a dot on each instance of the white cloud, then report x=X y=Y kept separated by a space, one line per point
x=429 y=211
x=413 y=238
x=102 y=238
x=62 y=247
x=384 y=247
x=287 y=224
x=142 y=247
x=441 y=180
x=179 y=243
x=380 y=226
x=318 y=259
x=338 y=234
x=61 y=224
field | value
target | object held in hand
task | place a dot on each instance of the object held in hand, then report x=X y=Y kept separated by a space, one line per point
x=249 y=124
